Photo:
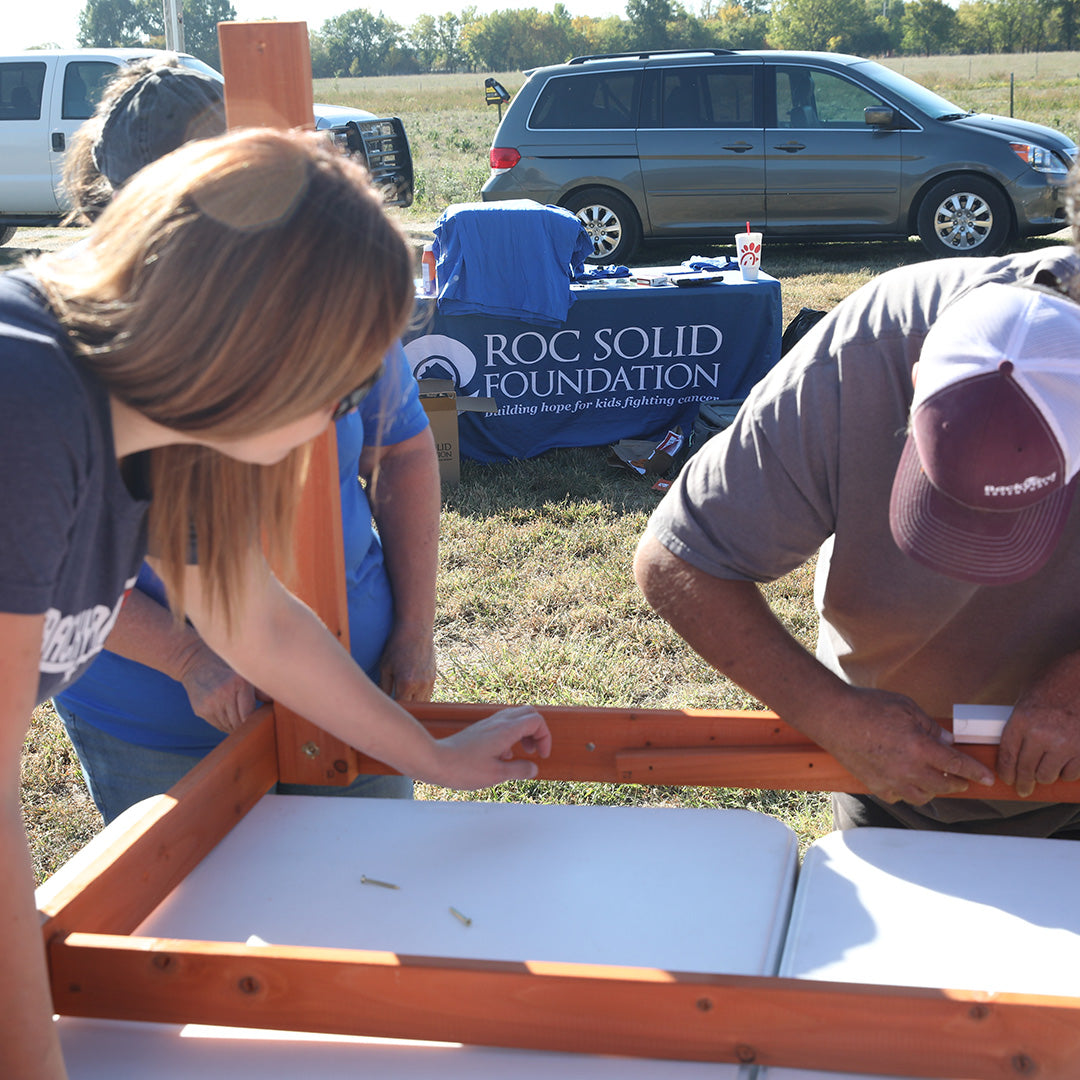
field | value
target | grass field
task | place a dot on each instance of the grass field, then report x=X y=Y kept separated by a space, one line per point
x=535 y=598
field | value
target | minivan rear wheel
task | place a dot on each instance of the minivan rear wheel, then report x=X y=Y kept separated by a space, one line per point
x=964 y=215
x=611 y=222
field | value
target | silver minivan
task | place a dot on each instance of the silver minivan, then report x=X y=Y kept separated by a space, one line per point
x=687 y=145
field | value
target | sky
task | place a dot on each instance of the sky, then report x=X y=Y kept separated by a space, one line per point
x=26 y=23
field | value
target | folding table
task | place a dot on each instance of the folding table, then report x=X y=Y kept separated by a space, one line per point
x=892 y=906
x=631 y=361
x=694 y=890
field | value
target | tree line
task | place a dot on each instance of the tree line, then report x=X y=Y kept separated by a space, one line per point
x=362 y=42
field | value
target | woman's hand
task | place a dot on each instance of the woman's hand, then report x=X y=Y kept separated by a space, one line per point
x=483 y=753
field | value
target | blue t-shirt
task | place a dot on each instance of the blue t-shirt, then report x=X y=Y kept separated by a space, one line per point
x=145 y=707
x=510 y=259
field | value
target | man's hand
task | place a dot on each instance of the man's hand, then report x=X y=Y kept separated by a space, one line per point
x=892 y=746
x=883 y=739
x=1041 y=741
x=216 y=693
x=407 y=665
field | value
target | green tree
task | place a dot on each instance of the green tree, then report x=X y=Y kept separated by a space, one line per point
x=884 y=32
x=607 y=35
x=1069 y=16
x=973 y=32
x=321 y=64
x=928 y=26
x=649 y=22
x=818 y=25
x=451 y=48
x=507 y=40
x=109 y=24
x=734 y=25
x=127 y=23
x=423 y=38
x=357 y=42
x=1009 y=21
x=200 y=27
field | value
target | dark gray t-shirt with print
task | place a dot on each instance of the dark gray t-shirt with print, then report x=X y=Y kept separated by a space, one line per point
x=72 y=536
x=808 y=467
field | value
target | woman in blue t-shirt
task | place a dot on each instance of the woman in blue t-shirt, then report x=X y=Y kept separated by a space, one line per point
x=158 y=699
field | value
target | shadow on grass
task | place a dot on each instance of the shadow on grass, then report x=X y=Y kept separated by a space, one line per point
x=580 y=474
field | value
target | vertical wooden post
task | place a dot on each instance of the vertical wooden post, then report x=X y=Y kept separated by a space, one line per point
x=267 y=69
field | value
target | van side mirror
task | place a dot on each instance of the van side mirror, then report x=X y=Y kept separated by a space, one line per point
x=880 y=116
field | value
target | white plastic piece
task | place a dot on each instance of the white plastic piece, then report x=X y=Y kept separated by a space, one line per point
x=980 y=723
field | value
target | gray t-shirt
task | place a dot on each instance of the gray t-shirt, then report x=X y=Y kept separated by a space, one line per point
x=808 y=467
x=72 y=536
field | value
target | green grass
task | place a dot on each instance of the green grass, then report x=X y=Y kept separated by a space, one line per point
x=535 y=598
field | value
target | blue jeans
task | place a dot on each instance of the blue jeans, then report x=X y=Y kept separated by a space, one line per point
x=120 y=774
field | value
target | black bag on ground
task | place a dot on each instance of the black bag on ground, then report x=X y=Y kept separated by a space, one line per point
x=798 y=327
x=712 y=418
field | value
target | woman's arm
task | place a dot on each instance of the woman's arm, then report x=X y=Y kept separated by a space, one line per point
x=280 y=645
x=405 y=500
x=29 y=1047
x=148 y=633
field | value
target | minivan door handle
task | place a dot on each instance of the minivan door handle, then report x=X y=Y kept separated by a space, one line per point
x=739 y=147
x=58 y=141
x=790 y=147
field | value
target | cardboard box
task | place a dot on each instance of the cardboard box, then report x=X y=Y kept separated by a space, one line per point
x=442 y=405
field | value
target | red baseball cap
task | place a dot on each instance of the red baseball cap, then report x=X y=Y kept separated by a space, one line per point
x=987 y=475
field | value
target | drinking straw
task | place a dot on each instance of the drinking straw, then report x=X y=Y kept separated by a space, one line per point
x=748 y=226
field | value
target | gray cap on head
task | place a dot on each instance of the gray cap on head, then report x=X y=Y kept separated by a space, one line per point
x=163 y=110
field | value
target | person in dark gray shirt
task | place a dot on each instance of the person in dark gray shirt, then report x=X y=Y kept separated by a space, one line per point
x=235 y=299
x=912 y=621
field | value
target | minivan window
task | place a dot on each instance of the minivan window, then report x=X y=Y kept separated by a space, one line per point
x=930 y=103
x=809 y=98
x=707 y=97
x=21 y=85
x=84 y=81
x=595 y=100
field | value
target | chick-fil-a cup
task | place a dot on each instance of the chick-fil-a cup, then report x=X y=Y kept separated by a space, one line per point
x=748 y=254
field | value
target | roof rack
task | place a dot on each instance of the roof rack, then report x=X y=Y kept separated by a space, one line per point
x=648 y=53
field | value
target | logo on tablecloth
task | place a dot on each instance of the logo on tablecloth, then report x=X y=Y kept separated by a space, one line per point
x=436 y=356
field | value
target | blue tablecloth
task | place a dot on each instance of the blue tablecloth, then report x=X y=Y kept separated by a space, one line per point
x=631 y=361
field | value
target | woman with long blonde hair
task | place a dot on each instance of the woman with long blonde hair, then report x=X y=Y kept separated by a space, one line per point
x=158 y=387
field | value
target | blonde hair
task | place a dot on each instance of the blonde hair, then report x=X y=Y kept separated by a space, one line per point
x=233 y=287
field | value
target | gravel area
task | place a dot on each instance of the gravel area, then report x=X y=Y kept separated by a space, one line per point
x=27 y=242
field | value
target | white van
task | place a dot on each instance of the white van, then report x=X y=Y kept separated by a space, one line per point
x=45 y=94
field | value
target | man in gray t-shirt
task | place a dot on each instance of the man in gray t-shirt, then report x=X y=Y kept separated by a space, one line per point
x=955 y=596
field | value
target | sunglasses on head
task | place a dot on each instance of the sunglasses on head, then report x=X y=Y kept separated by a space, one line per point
x=352 y=400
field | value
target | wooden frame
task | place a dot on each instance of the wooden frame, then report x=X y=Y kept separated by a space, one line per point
x=98 y=970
